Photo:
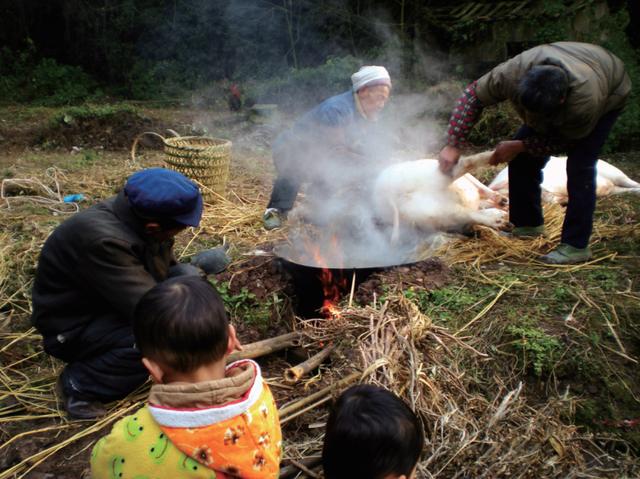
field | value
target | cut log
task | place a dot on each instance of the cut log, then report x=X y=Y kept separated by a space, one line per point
x=295 y=373
x=266 y=346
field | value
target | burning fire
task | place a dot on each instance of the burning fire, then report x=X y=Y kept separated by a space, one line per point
x=331 y=291
x=331 y=285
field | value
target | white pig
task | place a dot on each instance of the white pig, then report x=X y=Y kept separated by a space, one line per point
x=609 y=181
x=416 y=193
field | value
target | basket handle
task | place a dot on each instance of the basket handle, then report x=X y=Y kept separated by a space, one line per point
x=134 y=147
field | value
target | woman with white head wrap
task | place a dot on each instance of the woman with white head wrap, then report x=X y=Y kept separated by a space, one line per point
x=370 y=76
x=337 y=135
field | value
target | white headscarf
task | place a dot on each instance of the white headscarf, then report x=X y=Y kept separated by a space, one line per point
x=369 y=76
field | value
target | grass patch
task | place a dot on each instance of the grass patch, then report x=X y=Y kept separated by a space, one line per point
x=538 y=350
x=246 y=308
x=453 y=304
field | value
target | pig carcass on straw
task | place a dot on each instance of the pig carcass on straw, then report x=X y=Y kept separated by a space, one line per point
x=418 y=194
x=609 y=181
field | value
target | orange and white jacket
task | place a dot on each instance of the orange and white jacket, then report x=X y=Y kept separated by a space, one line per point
x=216 y=429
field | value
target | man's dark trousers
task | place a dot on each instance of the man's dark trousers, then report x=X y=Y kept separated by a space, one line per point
x=103 y=363
x=289 y=174
x=525 y=176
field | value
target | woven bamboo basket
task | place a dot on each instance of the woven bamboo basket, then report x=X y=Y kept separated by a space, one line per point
x=205 y=160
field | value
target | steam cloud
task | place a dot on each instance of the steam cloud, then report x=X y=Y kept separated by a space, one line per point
x=405 y=131
x=340 y=204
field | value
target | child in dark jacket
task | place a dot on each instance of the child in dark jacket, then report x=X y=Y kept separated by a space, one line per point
x=371 y=434
x=204 y=419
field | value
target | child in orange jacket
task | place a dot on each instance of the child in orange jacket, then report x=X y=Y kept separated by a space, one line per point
x=204 y=419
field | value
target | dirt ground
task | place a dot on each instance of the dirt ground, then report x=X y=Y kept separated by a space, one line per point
x=516 y=315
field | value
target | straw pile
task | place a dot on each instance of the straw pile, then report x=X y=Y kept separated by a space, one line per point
x=493 y=246
x=478 y=423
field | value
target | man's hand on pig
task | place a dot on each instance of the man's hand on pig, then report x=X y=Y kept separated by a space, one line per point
x=447 y=158
x=506 y=151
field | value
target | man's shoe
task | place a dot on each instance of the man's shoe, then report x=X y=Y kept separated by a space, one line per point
x=272 y=218
x=527 y=231
x=567 y=254
x=78 y=408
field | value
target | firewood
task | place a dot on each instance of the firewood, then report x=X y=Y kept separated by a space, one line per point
x=292 y=410
x=264 y=347
x=293 y=374
x=295 y=467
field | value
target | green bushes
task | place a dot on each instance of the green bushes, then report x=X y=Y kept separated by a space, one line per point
x=539 y=351
x=307 y=86
x=93 y=126
x=75 y=114
x=626 y=131
x=23 y=78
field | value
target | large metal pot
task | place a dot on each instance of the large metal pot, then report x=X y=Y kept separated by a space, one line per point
x=306 y=277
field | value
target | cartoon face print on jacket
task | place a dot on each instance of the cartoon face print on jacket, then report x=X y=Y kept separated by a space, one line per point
x=133 y=427
x=117 y=467
x=158 y=450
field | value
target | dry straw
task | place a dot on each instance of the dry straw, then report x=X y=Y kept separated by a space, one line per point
x=475 y=426
x=491 y=246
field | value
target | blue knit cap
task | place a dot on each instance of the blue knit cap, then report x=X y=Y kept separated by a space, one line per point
x=160 y=193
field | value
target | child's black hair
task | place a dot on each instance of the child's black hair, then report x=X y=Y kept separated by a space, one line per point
x=182 y=323
x=370 y=434
x=543 y=88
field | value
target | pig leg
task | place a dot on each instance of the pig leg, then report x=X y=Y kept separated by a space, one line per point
x=616 y=190
x=493 y=196
x=491 y=217
x=615 y=175
x=470 y=163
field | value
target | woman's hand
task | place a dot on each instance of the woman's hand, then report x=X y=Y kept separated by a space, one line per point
x=447 y=158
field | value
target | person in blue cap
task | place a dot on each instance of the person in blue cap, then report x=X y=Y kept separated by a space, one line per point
x=91 y=273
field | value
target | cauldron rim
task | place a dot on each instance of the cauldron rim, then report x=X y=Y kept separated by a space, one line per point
x=282 y=249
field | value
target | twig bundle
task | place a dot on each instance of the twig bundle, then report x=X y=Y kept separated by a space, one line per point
x=475 y=427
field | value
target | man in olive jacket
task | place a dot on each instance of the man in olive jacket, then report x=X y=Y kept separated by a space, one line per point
x=92 y=271
x=568 y=95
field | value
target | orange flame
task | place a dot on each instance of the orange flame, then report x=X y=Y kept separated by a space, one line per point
x=330 y=286
x=331 y=291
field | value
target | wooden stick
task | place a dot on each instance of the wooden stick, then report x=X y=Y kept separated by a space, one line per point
x=293 y=407
x=300 y=412
x=353 y=288
x=305 y=469
x=293 y=468
x=266 y=346
x=292 y=375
